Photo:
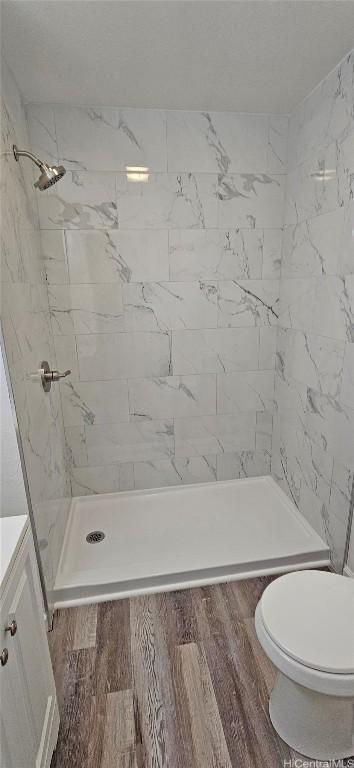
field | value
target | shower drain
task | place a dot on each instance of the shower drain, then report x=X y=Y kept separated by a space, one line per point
x=94 y=537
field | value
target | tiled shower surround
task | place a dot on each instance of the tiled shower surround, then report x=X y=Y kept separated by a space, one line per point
x=313 y=438
x=166 y=299
x=27 y=335
x=164 y=294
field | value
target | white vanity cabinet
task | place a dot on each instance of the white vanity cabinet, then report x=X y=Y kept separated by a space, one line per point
x=29 y=710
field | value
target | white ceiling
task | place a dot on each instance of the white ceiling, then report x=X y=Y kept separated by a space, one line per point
x=253 y=56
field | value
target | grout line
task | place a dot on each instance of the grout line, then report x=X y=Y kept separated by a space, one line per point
x=162 y=110
x=65 y=242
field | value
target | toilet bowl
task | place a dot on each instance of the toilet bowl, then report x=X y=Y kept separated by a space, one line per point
x=305 y=624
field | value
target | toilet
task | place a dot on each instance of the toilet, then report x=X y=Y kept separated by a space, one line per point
x=305 y=625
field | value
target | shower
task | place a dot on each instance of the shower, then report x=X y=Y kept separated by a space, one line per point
x=50 y=174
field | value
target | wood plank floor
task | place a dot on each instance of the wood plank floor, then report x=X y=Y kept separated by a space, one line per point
x=175 y=680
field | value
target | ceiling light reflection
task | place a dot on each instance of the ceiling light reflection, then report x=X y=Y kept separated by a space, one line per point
x=326 y=174
x=137 y=173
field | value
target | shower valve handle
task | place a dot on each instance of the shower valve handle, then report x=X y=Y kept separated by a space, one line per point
x=55 y=375
x=48 y=376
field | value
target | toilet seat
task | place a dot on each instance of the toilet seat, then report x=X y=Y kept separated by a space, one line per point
x=306 y=599
x=310 y=616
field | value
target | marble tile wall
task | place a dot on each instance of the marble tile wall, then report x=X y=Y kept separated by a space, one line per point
x=164 y=296
x=27 y=334
x=313 y=438
x=350 y=564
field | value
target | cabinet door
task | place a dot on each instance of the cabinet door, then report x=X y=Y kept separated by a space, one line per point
x=17 y=745
x=28 y=670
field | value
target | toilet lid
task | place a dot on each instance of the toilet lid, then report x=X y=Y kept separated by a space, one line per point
x=310 y=616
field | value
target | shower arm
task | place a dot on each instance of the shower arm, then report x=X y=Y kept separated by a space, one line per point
x=23 y=153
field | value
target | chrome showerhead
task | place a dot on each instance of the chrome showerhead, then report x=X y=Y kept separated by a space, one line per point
x=50 y=174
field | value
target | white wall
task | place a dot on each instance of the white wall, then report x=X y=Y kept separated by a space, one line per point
x=13 y=497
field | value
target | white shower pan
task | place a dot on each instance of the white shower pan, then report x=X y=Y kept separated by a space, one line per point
x=170 y=538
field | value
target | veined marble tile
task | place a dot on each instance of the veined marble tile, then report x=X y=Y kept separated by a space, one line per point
x=315 y=465
x=346 y=156
x=309 y=194
x=347 y=388
x=330 y=425
x=239 y=392
x=293 y=135
x=176 y=471
x=39 y=320
x=20 y=238
x=54 y=256
x=169 y=306
x=107 y=479
x=341 y=492
x=123 y=355
x=277 y=473
x=41 y=126
x=325 y=523
x=66 y=355
x=76 y=447
x=198 y=436
x=168 y=201
x=81 y=201
x=287 y=467
x=250 y=200
x=291 y=400
x=335 y=534
x=264 y=431
x=12 y=107
x=267 y=347
x=135 y=441
x=215 y=350
x=173 y=396
x=27 y=333
x=272 y=253
x=327 y=114
x=13 y=265
x=86 y=308
x=16 y=312
x=248 y=302
x=216 y=142
x=333 y=312
x=94 y=402
x=240 y=464
x=347 y=256
x=117 y=256
x=313 y=247
x=42 y=426
x=277 y=143
x=312 y=509
x=26 y=326
x=314 y=423
x=106 y=139
x=297 y=301
x=314 y=360
x=216 y=254
x=350 y=560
